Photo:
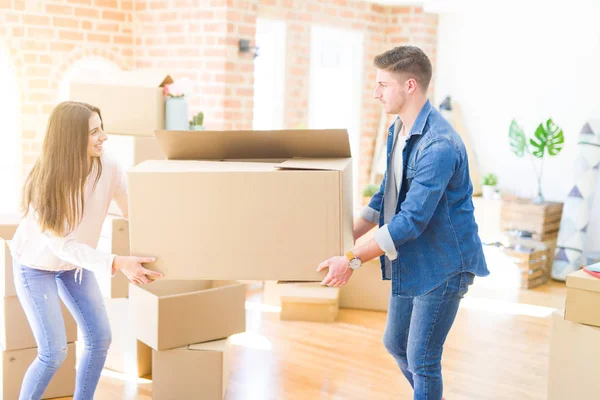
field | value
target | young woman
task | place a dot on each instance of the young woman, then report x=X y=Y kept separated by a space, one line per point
x=66 y=199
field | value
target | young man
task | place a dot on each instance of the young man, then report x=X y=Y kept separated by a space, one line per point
x=427 y=241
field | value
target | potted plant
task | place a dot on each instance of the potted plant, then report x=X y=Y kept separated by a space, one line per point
x=489 y=183
x=368 y=193
x=176 y=105
x=197 y=121
x=548 y=140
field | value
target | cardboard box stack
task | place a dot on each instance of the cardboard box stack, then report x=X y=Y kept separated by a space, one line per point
x=575 y=333
x=237 y=204
x=17 y=344
x=188 y=325
x=132 y=106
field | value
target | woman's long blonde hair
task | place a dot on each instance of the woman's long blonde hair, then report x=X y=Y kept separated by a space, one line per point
x=55 y=187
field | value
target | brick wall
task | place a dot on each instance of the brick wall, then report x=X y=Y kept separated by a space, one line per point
x=197 y=39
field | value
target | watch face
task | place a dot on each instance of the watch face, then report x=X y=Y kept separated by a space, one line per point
x=355 y=263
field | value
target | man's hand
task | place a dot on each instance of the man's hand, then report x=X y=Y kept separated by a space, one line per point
x=339 y=271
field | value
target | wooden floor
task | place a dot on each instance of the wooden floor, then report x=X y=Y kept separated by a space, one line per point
x=497 y=349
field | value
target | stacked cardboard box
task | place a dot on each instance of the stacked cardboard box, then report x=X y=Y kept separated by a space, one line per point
x=188 y=325
x=132 y=106
x=8 y=225
x=574 y=350
x=17 y=343
x=308 y=302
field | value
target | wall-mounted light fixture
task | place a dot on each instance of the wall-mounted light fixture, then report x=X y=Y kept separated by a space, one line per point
x=246 y=48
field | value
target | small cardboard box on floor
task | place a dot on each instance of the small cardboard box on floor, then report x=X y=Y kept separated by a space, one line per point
x=308 y=302
x=114 y=239
x=574 y=360
x=15 y=363
x=8 y=225
x=583 y=298
x=131 y=102
x=281 y=199
x=196 y=371
x=171 y=314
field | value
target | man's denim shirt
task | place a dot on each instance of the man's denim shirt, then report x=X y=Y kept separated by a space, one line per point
x=433 y=235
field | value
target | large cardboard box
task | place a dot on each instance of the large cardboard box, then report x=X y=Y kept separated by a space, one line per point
x=126 y=354
x=197 y=371
x=308 y=302
x=170 y=314
x=8 y=225
x=271 y=220
x=131 y=102
x=574 y=360
x=14 y=366
x=366 y=290
x=15 y=332
x=583 y=298
x=7 y=282
x=114 y=239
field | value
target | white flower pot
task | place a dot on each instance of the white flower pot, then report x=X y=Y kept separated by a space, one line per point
x=488 y=192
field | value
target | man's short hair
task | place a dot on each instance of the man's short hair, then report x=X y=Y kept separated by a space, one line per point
x=409 y=60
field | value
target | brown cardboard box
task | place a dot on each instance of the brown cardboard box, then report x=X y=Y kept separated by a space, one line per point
x=583 y=298
x=126 y=354
x=574 y=360
x=8 y=225
x=197 y=371
x=129 y=151
x=15 y=332
x=172 y=314
x=308 y=302
x=366 y=290
x=273 y=220
x=131 y=102
x=15 y=364
x=7 y=283
x=114 y=239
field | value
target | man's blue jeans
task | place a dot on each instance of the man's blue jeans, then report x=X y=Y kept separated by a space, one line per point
x=416 y=331
x=39 y=292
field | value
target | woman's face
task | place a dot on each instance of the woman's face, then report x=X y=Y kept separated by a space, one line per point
x=96 y=137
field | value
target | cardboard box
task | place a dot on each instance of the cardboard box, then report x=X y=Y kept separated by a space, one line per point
x=273 y=220
x=366 y=290
x=129 y=151
x=15 y=332
x=7 y=281
x=308 y=302
x=14 y=366
x=197 y=371
x=8 y=225
x=172 y=314
x=131 y=102
x=583 y=298
x=126 y=354
x=574 y=360
x=114 y=239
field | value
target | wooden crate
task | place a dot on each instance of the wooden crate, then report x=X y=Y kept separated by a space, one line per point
x=542 y=220
x=534 y=266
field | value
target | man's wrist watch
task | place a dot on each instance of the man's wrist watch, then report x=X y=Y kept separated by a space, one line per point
x=355 y=262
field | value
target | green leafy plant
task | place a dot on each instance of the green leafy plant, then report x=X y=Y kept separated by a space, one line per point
x=490 y=180
x=548 y=140
x=370 y=190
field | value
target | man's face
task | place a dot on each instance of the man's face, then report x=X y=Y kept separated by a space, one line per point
x=390 y=91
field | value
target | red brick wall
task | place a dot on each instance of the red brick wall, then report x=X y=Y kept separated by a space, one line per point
x=197 y=39
x=46 y=37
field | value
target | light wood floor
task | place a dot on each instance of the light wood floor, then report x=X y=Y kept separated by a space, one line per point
x=497 y=349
